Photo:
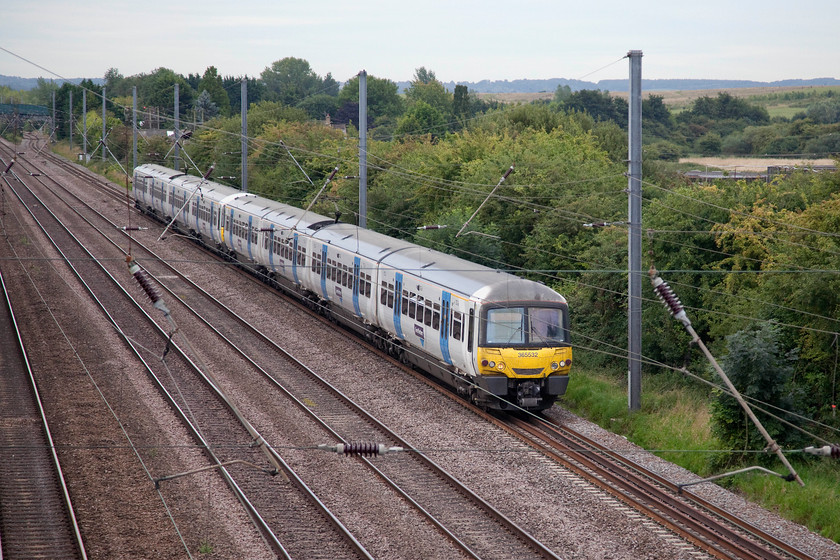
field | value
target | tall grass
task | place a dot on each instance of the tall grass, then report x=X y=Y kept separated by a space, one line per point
x=674 y=422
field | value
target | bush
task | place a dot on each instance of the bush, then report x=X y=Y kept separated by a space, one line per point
x=759 y=368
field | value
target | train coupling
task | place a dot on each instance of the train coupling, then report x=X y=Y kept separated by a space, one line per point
x=528 y=394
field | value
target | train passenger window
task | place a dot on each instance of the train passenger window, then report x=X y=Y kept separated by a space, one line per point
x=412 y=305
x=366 y=285
x=316 y=260
x=383 y=293
x=390 y=295
x=436 y=317
x=405 y=302
x=457 y=324
x=427 y=315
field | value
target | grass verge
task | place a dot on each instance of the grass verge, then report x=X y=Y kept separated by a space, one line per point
x=674 y=424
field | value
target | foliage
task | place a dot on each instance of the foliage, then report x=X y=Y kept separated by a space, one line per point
x=205 y=108
x=211 y=83
x=759 y=368
x=600 y=105
x=384 y=103
x=291 y=80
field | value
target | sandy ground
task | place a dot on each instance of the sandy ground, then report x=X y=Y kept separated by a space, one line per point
x=751 y=164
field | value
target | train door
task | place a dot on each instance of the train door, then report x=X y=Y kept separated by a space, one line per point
x=398 y=284
x=214 y=222
x=249 y=236
x=356 y=270
x=295 y=259
x=445 y=318
x=325 y=269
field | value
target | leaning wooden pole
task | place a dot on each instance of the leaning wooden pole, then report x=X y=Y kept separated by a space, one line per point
x=673 y=304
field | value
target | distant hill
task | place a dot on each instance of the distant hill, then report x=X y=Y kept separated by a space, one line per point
x=550 y=85
x=537 y=86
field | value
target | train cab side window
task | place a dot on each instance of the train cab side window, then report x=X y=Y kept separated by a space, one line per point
x=457 y=322
x=436 y=317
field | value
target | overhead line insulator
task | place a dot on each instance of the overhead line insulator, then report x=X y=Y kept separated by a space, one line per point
x=365 y=449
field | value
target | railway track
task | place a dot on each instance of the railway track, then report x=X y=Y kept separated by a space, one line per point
x=36 y=514
x=720 y=534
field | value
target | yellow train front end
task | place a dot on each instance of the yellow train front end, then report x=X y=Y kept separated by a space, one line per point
x=523 y=355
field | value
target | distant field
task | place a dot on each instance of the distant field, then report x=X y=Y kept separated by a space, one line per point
x=516 y=97
x=750 y=164
x=678 y=99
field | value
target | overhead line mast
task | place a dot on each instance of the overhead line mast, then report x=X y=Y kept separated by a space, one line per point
x=634 y=254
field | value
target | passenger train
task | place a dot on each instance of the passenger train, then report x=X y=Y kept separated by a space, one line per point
x=499 y=340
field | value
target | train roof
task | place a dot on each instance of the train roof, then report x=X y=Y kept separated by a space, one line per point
x=292 y=217
x=456 y=274
x=158 y=171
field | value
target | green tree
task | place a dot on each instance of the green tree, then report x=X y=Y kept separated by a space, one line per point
x=710 y=144
x=205 y=108
x=826 y=111
x=384 y=101
x=461 y=102
x=291 y=80
x=426 y=88
x=158 y=90
x=211 y=82
x=115 y=83
x=562 y=93
x=759 y=368
x=600 y=105
x=422 y=119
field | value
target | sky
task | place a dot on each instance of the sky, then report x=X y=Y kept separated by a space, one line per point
x=459 y=40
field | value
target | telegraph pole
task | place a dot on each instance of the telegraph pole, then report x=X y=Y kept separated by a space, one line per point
x=134 y=126
x=71 y=120
x=243 y=107
x=363 y=149
x=104 y=126
x=84 y=125
x=177 y=163
x=634 y=256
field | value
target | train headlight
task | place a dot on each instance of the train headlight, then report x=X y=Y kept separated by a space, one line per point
x=555 y=366
x=501 y=366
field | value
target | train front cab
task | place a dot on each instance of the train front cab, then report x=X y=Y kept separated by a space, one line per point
x=523 y=353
